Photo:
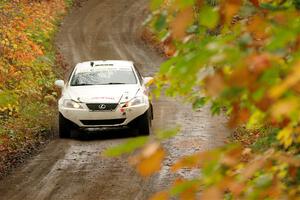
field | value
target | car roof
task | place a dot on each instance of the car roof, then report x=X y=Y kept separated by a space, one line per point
x=104 y=63
x=94 y=64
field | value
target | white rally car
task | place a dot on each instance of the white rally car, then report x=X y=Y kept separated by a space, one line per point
x=103 y=94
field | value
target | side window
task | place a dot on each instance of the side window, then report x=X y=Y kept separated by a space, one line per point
x=139 y=75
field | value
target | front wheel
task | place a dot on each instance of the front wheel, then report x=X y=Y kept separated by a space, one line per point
x=64 y=127
x=144 y=124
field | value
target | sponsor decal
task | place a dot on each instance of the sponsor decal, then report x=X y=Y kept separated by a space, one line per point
x=106 y=98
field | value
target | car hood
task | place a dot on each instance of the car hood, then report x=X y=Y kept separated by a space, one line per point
x=102 y=93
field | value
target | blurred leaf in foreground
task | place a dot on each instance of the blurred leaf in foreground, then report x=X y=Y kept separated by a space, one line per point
x=149 y=160
x=166 y=134
x=127 y=147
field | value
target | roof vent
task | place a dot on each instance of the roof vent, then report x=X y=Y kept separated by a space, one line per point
x=92 y=64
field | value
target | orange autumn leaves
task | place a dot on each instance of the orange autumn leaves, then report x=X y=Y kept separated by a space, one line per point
x=280 y=110
x=17 y=43
x=235 y=180
x=149 y=160
x=186 y=16
x=26 y=70
x=257 y=27
x=229 y=8
x=25 y=48
x=181 y=22
x=250 y=50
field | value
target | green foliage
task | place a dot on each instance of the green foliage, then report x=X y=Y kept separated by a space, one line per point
x=155 y=4
x=126 y=148
x=266 y=140
x=69 y=3
x=209 y=17
x=231 y=51
x=199 y=102
x=166 y=134
x=160 y=23
x=182 y=187
x=137 y=143
x=241 y=57
x=297 y=4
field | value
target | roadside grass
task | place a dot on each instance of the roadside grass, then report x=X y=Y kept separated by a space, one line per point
x=28 y=68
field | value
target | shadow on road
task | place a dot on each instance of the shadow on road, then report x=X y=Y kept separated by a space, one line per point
x=104 y=134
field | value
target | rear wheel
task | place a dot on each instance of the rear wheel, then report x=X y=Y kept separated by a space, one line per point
x=144 y=123
x=64 y=127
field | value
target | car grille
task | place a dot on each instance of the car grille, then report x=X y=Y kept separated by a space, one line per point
x=102 y=122
x=102 y=106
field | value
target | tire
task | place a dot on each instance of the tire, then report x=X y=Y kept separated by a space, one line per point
x=64 y=127
x=144 y=123
x=152 y=114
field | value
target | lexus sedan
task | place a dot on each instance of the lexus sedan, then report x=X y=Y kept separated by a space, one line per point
x=104 y=94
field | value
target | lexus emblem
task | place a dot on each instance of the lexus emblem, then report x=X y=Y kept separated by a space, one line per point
x=102 y=106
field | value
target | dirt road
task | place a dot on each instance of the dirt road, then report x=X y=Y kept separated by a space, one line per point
x=74 y=169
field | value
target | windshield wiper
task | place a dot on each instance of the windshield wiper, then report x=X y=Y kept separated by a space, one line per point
x=112 y=83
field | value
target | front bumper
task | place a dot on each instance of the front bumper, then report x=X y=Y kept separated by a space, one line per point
x=84 y=118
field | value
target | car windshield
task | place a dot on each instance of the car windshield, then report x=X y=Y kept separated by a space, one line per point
x=104 y=76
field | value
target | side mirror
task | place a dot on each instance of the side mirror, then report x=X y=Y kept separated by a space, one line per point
x=59 y=83
x=148 y=80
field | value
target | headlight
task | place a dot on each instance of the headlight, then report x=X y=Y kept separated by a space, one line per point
x=68 y=103
x=136 y=101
